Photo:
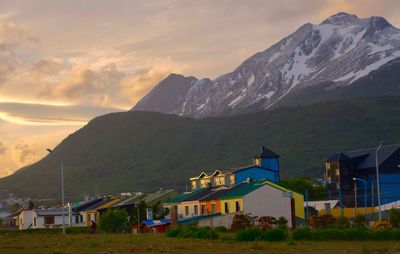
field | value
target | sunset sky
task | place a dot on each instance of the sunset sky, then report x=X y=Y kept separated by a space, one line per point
x=65 y=62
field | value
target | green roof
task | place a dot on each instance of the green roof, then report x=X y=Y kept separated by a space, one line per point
x=178 y=198
x=242 y=190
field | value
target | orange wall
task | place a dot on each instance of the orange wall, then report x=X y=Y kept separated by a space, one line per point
x=208 y=206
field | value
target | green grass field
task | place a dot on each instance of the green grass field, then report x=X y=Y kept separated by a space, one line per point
x=37 y=242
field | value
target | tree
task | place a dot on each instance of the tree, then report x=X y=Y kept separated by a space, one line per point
x=31 y=205
x=300 y=184
x=114 y=221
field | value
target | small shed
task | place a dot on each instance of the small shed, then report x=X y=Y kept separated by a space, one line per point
x=155 y=226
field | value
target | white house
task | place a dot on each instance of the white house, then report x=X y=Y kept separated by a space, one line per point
x=26 y=219
x=48 y=218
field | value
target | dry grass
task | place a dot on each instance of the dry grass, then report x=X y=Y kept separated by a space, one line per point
x=124 y=243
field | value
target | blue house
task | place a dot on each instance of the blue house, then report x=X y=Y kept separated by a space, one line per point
x=343 y=167
x=265 y=167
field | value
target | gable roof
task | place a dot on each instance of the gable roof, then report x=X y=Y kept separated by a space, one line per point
x=197 y=196
x=180 y=197
x=266 y=153
x=241 y=190
x=365 y=158
x=215 y=195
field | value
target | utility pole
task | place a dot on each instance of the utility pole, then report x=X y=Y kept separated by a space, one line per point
x=62 y=192
x=378 y=183
x=355 y=198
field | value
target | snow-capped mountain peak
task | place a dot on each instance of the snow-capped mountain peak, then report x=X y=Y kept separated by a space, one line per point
x=340 y=50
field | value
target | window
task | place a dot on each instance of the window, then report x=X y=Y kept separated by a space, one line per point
x=204 y=182
x=220 y=180
x=196 y=210
x=49 y=220
x=34 y=221
x=257 y=162
x=203 y=210
x=337 y=172
x=237 y=205
x=232 y=179
x=194 y=185
x=186 y=210
x=226 y=204
x=76 y=219
x=213 y=208
x=328 y=173
x=81 y=218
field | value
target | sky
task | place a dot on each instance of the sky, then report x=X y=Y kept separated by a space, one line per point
x=64 y=62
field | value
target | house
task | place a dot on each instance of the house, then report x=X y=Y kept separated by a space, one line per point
x=25 y=219
x=129 y=204
x=264 y=198
x=92 y=213
x=46 y=218
x=265 y=166
x=342 y=167
x=190 y=205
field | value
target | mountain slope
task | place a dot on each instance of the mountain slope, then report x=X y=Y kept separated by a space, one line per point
x=336 y=53
x=143 y=151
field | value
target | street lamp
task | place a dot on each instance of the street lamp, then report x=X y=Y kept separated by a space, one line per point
x=378 y=183
x=62 y=192
x=365 y=193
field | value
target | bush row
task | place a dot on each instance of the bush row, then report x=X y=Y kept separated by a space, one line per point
x=253 y=234
x=192 y=232
x=350 y=234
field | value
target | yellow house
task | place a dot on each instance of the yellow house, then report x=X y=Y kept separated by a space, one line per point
x=92 y=213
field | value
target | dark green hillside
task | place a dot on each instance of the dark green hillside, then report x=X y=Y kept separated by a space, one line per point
x=143 y=151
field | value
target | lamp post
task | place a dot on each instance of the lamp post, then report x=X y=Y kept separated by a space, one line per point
x=365 y=193
x=62 y=193
x=378 y=183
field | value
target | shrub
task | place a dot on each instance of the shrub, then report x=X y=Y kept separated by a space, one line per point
x=249 y=234
x=221 y=229
x=342 y=222
x=173 y=231
x=282 y=222
x=302 y=234
x=394 y=218
x=322 y=221
x=359 y=221
x=266 y=222
x=382 y=235
x=274 y=235
x=382 y=225
x=241 y=221
x=355 y=234
x=187 y=232
x=205 y=233
x=327 y=234
x=114 y=221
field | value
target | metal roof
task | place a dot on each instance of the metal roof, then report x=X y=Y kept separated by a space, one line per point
x=365 y=158
x=241 y=190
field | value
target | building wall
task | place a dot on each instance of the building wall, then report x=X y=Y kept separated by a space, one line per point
x=209 y=206
x=231 y=204
x=190 y=204
x=216 y=221
x=268 y=201
x=58 y=221
x=25 y=219
x=256 y=173
x=271 y=163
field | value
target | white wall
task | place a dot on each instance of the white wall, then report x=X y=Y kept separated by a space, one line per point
x=191 y=204
x=268 y=201
x=216 y=221
x=25 y=219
